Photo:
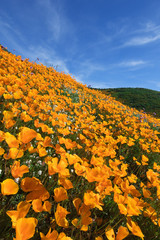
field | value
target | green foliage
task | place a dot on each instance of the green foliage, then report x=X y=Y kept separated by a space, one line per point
x=140 y=98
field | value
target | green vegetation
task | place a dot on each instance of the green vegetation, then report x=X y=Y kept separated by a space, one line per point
x=140 y=98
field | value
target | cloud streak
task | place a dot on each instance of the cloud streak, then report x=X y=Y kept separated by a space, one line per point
x=137 y=41
x=10 y=32
x=57 y=22
x=148 y=34
x=48 y=57
x=132 y=63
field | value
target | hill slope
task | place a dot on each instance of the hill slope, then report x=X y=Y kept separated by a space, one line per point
x=75 y=163
x=140 y=98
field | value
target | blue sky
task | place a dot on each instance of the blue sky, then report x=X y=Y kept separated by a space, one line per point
x=102 y=43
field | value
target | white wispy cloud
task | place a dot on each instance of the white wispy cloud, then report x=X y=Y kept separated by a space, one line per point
x=151 y=27
x=149 y=33
x=57 y=22
x=86 y=69
x=132 y=63
x=47 y=56
x=89 y=66
x=137 y=41
x=9 y=31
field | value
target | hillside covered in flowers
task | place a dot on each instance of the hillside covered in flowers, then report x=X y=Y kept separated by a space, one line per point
x=74 y=163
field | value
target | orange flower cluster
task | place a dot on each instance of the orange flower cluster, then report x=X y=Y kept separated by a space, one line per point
x=75 y=164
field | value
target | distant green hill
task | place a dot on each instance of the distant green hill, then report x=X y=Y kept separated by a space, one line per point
x=140 y=98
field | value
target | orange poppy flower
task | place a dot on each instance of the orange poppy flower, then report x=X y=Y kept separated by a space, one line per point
x=25 y=117
x=17 y=170
x=79 y=169
x=39 y=137
x=122 y=233
x=26 y=135
x=104 y=187
x=122 y=208
x=85 y=217
x=24 y=106
x=66 y=183
x=98 y=238
x=134 y=228
x=18 y=94
x=77 y=223
x=25 y=228
x=37 y=205
x=31 y=184
x=64 y=131
x=60 y=194
x=36 y=189
x=8 y=115
x=84 y=212
x=47 y=129
x=60 y=216
x=69 y=144
x=151 y=213
x=73 y=158
x=62 y=236
x=122 y=139
x=144 y=160
x=58 y=167
x=42 y=194
x=109 y=232
x=59 y=149
x=50 y=235
x=11 y=140
x=41 y=151
x=22 y=210
x=146 y=193
x=9 y=186
x=132 y=208
x=14 y=153
x=1 y=151
x=47 y=142
x=92 y=200
x=2 y=90
x=76 y=203
x=156 y=166
x=47 y=206
x=2 y=136
x=9 y=123
x=7 y=96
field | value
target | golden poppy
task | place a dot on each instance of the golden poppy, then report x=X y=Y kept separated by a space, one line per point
x=26 y=135
x=11 y=140
x=60 y=216
x=134 y=228
x=109 y=232
x=122 y=233
x=50 y=235
x=9 y=187
x=22 y=210
x=25 y=228
x=60 y=194
x=47 y=206
x=37 y=205
x=17 y=170
x=93 y=200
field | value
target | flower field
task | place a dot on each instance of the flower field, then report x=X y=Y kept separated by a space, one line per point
x=75 y=163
